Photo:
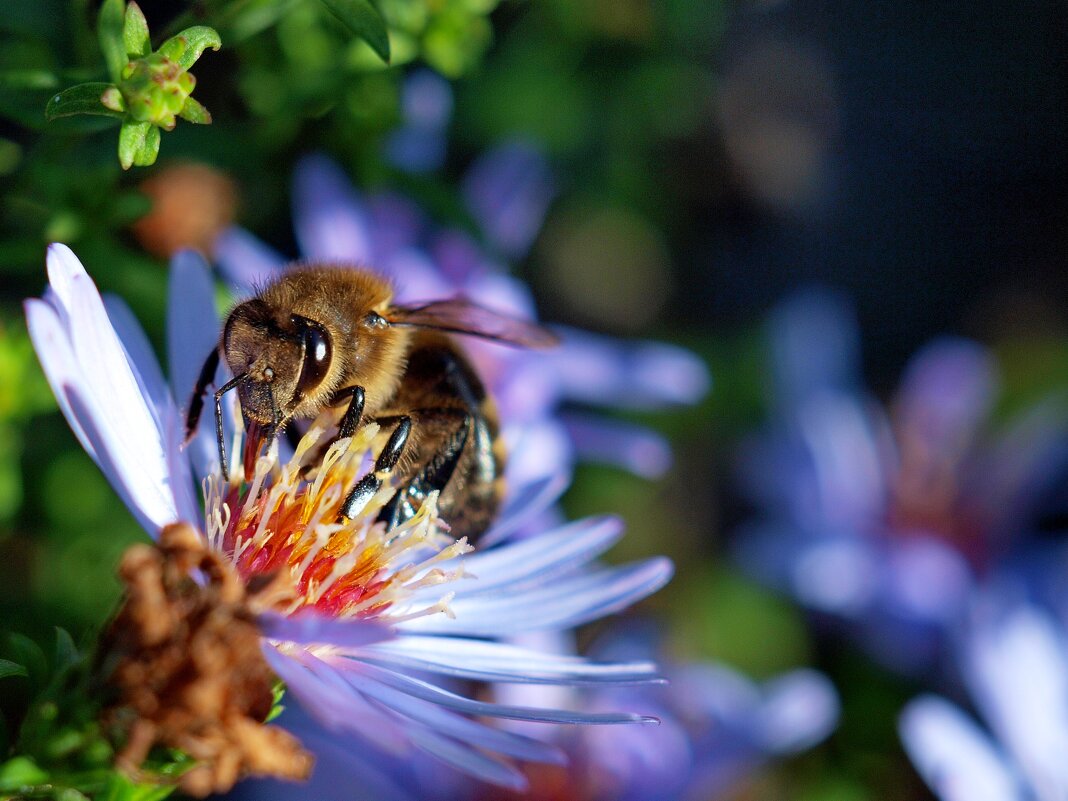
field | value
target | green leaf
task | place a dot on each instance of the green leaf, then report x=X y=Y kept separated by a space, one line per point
x=278 y=692
x=194 y=112
x=9 y=668
x=135 y=32
x=20 y=772
x=81 y=99
x=119 y=788
x=28 y=653
x=109 y=30
x=66 y=651
x=185 y=48
x=138 y=144
x=364 y=20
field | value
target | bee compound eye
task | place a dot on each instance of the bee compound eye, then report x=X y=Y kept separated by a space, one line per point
x=317 y=352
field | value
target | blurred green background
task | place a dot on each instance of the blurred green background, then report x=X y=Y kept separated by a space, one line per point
x=708 y=157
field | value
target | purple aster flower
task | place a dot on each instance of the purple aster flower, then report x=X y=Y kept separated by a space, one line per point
x=334 y=223
x=379 y=634
x=885 y=518
x=1014 y=658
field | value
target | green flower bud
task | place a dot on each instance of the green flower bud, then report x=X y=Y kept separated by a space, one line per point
x=155 y=90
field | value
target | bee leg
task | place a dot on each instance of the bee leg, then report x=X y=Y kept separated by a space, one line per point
x=436 y=473
x=220 y=438
x=370 y=484
x=351 y=421
x=355 y=397
x=196 y=403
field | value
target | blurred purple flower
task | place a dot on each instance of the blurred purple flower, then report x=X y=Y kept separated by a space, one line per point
x=379 y=669
x=508 y=190
x=716 y=727
x=885 y=518
x=336 y=223
x=418 y=145
x=1014 y=658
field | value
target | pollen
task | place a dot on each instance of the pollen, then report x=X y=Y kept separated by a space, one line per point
x=284 y=523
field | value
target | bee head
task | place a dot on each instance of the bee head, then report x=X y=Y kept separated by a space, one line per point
x=285 y=358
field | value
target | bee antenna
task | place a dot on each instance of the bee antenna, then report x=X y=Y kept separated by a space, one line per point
x=219 y=437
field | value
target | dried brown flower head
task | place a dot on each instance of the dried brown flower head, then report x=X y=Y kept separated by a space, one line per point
x=191 y=205
x=183 y=657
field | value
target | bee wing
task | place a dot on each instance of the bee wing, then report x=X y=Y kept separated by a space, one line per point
x=462 y=316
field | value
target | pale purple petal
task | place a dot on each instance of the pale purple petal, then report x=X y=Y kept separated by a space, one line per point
x=51 y=340
x=418 y=688
x=450 y=724
x=414 y=276
x=330 y=219
x=799 y=710
x=502 y=662
x=397 y=222
x=837 y=576
x=639 y=763
x=846 y=484
x=628 y=375
x=523 y=382
x=63 y=267
x=536 y=558
x=946 y=393
x=416 y=150
x=568 y=602
x=426 y=99
x=426 y=104
x=928 y=579
x=139 y=353
x=109 y=393
x=522 y=505
x=537 y=451
x=244 y=261
x=339 y=766
x=1016 y=664
x=180 y=471
x=630 y=447
x=193 y=328
x=334 y=703
x=459 y=257
x=508 y=191
x=470 y=761
x=310 y=628
x=956 y=759
x=502 y=293
x=153 y=512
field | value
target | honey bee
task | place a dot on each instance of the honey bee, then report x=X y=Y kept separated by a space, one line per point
x=323 y=336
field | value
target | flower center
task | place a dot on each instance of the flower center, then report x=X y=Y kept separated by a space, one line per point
x=285 y=521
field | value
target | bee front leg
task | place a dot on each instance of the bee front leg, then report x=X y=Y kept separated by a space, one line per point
x=196 y=402
x=351 y=421
x=370 y=484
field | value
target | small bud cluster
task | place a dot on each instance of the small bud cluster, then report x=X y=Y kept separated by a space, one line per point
x=149 y=89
